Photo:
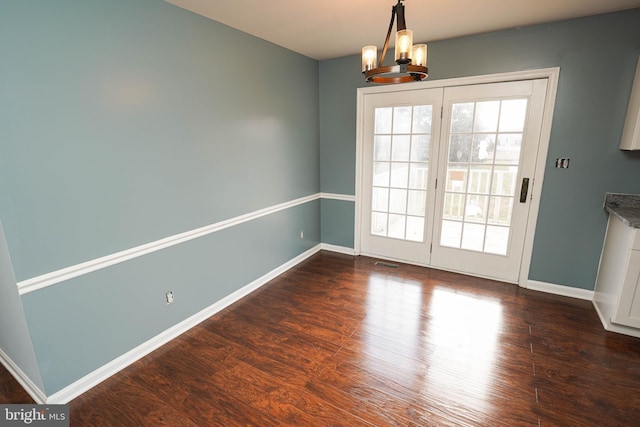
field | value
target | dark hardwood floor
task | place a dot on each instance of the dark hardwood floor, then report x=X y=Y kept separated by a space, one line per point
x=341 y=341
x=10 y=390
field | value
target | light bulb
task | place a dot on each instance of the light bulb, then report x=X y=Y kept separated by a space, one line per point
x=419 y=55
x=369 y=58
x=404 y=43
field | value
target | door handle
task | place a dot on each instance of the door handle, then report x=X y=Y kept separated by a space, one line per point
x=524 y=190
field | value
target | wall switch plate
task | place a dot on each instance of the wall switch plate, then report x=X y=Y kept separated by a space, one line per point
x=169 y=296
x=562 y=163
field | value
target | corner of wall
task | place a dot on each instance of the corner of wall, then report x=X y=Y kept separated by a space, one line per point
x=16 y=349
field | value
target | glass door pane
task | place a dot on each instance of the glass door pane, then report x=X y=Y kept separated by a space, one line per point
x=400 y=171
x=482 y=167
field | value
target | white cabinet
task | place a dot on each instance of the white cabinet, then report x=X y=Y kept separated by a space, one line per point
x=617 y=292
x=631 y=132
x=628 y=312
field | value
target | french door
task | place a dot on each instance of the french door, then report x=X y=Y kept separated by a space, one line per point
x=399 y=176
x=446 y=175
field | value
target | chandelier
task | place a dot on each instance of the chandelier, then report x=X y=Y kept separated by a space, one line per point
x=411 y=60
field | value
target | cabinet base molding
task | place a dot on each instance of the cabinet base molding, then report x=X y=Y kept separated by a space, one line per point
x=614 y=327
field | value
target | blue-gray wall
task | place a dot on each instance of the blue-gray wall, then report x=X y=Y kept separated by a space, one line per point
x=597 y=58
x=124 y=122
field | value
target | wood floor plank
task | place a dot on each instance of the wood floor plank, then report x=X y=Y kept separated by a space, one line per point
x=124 y=403
x=10 y=389
x=340 y=340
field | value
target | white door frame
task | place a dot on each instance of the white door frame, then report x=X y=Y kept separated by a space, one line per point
x=551 y=74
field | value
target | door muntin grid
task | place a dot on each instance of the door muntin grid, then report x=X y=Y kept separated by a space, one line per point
x=485 y=142
x=402 y=137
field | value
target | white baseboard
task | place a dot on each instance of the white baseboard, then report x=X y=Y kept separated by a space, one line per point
x=36 y=394
x=565 y=291
x=339 y=249
x=94 y=378
x=601 y=315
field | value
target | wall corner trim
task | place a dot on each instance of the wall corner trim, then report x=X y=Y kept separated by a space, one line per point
x=36 y=394
x=335 y=196
x=562 y=290
x=338 y=249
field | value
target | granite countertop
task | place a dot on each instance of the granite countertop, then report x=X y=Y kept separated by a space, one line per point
x=626 y=207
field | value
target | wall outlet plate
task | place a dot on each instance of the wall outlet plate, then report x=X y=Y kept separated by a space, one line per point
x=562 y=163
x=169 y=296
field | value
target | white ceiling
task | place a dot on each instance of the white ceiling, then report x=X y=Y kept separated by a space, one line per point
x=325 y=29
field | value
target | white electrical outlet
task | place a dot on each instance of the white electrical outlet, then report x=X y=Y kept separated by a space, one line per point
x=301 y=234
x=169 y=296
